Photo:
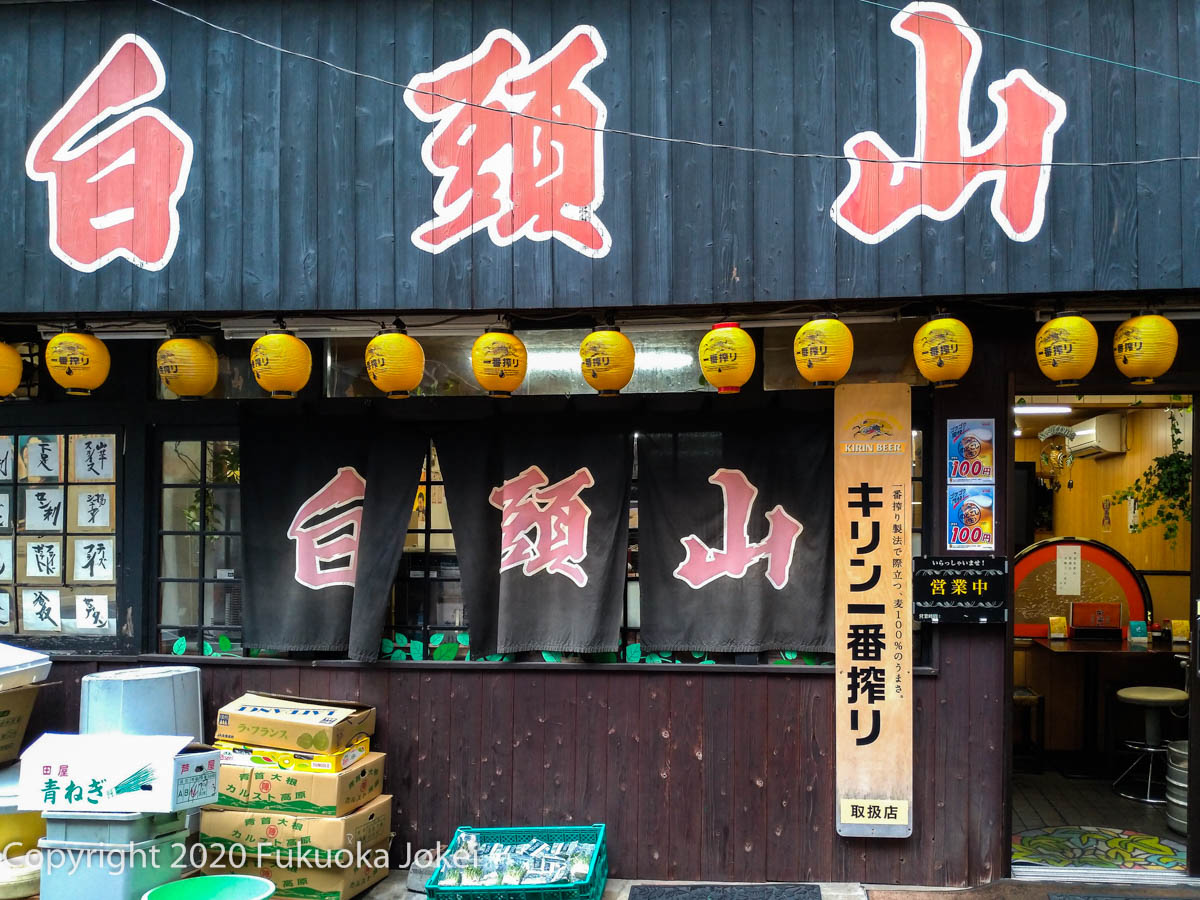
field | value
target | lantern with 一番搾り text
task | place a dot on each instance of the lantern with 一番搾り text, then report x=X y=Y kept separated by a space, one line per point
x=281 y=363
x=77 y=361
x=943 y=348
x=12 y=367
x=1144 y=348
x=187 y=367
x=395 y=362
x=606 y=360
x=824 y=349
x=727 y=357
x=499 y=360
x=1066 y=349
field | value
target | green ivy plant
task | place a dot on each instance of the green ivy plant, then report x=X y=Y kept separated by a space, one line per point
x=1163 y=492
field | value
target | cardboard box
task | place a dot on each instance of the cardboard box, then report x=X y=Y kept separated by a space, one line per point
x=309 y=836
x=306 y=879
x=294 y=723
x=302 y=793
x=117 y=773
x=246 y=755
x=16 y=706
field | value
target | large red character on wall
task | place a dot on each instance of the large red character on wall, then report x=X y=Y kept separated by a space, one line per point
x=114 y=194
x=886 y=191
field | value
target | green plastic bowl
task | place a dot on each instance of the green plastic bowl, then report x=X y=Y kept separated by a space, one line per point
x=214 y=887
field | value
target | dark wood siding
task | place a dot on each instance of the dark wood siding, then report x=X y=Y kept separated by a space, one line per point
x=307 y=182
x=697 y=775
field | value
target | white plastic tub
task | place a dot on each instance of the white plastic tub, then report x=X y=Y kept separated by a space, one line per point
x=152 y=700
x=72 y=870
x=19 y=667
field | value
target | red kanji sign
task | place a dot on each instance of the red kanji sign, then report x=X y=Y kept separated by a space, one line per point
x=116 y=193
x=515 y=176
x=326 y=529
x=543 y=526
x=886 y=191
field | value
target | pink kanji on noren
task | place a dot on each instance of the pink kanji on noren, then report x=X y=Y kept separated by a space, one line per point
x=326 y=529
x=515 y=176
x=703 y=563
x=886 y=191
x=543 y=526
x=115 y=194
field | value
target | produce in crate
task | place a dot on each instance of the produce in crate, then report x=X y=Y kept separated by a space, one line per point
x=532 y=862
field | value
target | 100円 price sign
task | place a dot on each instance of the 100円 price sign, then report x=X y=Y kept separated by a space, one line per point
x=872 y=563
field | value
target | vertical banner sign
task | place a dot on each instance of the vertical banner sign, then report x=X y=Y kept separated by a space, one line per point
x=872 y=562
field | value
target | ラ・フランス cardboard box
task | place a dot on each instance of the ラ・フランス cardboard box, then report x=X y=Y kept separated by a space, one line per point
x=302 y=793
x=315 y=836
x=294 y=723
x=16 y=705
x=117 y=773
x=305 y=879
x=295 y=760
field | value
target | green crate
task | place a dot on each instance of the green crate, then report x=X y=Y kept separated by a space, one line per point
x=590 y=888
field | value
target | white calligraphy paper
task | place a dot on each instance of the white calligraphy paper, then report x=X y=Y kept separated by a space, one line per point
x=93 y=560
x=7 y=569
x=43 y=559
x=5 y=608
x=6 y=509
x=92 y=510
x=91 y=611
x=94 y=459
x=41 y=458
x=44 y=509
x=40 y=610
x=6 y=457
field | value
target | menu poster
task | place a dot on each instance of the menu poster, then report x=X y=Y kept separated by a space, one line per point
x=40 y=610
x=969 y=517
x=6 y=560
x=93 y=457
x=91 y=612
x=44 y=509
x=7 y=459
x=5 y=609
x=93 y=560
x=970 y=451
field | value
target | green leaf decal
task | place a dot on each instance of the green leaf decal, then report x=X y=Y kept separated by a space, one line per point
x=789 y=654
x=436 y=640
x=549 y=656
x=417 y=649
x=208 y=651
x=444 y=652
x=180 y=646
x=224 y=644
x=464 y=639
x=633 y=653
x=386 y=648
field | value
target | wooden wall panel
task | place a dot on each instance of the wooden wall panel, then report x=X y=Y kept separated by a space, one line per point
x=307 y=182
x=696 y=775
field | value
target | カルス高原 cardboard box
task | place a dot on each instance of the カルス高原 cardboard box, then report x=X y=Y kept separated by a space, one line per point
x=295 y=760
x=16 y=706
x=315 y=836
x=299 y=878
x=294 y=723
x=302 y=793
x=117 y=773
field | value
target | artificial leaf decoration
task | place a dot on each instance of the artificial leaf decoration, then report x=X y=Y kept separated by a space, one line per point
x=464 y=639
x=436 y=639
x=789 y=654
x=224 y=644
x=208 y=650
x=548 y=656
x=417 y=649
x=386 y=648
x=445 y=651
x=180 y=646
x=653 y=658
x=633 y=653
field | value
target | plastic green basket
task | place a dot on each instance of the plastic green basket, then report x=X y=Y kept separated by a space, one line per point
x=214 y=887
x=590 y=888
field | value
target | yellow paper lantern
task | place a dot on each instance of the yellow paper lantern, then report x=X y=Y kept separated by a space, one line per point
x=1144 y=348
x=1066 y=349
x=395 y=362
x=824 y=349
x=727 y=357
x=606 y=360
x=943 y=348
x=187 y=367
x=281 y=363
x=77 y=361
x=12 y=367
x=499 y=360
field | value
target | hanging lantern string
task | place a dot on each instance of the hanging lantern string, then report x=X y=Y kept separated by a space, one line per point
x=705 y=144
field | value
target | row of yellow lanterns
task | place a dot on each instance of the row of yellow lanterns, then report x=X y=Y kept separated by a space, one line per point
x=1144 y=348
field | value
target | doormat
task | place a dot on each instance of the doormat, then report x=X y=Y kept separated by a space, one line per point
x=1106 y=848
x=779 y=891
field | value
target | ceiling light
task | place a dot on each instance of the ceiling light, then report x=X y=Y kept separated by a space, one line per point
x=1029 y=410
x=1016 y=432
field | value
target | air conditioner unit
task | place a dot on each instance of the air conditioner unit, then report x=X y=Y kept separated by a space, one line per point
x=1099 y=436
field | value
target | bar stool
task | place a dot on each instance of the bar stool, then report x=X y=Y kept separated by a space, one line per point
x=1152 y=700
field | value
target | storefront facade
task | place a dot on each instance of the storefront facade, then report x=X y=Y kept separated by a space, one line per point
x=557 y=166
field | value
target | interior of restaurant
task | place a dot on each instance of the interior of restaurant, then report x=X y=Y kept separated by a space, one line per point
x=1103 y=539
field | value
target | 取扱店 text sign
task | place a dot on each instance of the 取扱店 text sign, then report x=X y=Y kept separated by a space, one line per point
x=872 y=564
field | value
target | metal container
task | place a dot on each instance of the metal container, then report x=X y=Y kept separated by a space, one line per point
x=1177 y=816
x=153 y=700
x=1177 y=775
x=1177 y=753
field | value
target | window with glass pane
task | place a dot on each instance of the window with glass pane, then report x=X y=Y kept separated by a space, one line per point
x=200 y=548
x=58 y=543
